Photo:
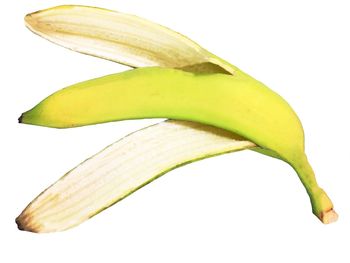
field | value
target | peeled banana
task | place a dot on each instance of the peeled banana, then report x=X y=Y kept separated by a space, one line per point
x=137 y=42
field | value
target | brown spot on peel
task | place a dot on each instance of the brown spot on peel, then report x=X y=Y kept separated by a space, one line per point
x=25 y=223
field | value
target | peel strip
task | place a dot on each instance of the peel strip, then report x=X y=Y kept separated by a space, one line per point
x=122 y=38
x=66 y=204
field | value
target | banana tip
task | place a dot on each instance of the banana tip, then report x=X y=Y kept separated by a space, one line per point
x=20 y=118
x=24 y=224
x=28 y=19
x=19 y=223
x=329 y=216
x=31 y=21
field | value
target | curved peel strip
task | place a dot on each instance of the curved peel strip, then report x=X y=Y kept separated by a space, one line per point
x=119 y=37
x=121 y=169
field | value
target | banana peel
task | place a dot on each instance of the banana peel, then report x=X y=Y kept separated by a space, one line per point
x=133 y=41
x=121 y=169
x=122 y=38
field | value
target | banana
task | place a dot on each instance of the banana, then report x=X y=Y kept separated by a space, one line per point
x=121 y=169
x=130 y=40
x=235 y=103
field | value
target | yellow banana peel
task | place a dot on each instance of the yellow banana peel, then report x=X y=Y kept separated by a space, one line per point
x=202 y=88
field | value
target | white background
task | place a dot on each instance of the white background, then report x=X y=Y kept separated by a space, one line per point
x=240 y=207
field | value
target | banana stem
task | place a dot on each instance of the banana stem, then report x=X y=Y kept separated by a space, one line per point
x=322 y=206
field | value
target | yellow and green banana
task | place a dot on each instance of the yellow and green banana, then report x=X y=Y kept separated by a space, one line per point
x=185 y=83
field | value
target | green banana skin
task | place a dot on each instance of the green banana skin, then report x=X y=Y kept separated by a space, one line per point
x=238 y=103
